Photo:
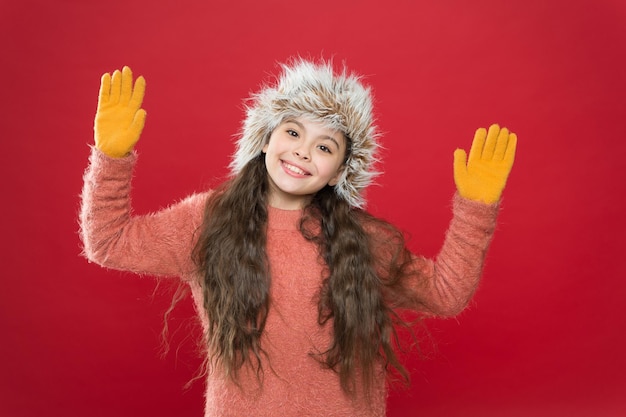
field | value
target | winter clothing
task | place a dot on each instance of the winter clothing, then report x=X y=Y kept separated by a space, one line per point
x=312 y=90
x=120 y=118
x=483 y=176
x=294 y=383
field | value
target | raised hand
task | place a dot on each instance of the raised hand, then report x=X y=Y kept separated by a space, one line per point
x=120 y=118
x=483 y=176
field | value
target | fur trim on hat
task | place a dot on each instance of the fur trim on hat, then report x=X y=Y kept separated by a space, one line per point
x=339 y=100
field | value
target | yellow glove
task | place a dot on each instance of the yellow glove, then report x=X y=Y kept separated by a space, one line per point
x=484 y=175
x=120 y=118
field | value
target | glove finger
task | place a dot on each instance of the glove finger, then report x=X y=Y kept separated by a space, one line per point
x=478 y=144
x=509 y=155
x=460 y=163
x=490 y=143
x=137 y=124
x=501 y=144
x=127 y=85
x=138 y=93
x=116 y=85
x=105 y=89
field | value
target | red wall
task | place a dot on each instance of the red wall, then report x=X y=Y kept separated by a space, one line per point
x=545 y=335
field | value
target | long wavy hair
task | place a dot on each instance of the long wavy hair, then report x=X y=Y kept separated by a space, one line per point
x=364 y=272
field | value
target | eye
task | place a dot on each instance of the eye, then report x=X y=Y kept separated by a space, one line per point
x=292 y=133
x=325 y=148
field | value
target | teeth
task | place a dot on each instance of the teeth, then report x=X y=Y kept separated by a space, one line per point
x=294 y=169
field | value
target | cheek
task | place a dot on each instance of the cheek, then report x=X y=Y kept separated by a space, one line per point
x=333 y=171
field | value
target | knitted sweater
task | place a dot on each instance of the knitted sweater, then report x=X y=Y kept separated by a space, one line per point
x=294 y=383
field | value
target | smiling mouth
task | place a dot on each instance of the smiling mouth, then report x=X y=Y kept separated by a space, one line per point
x=294 y=169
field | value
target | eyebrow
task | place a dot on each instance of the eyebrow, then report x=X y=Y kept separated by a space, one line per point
x=332 y=139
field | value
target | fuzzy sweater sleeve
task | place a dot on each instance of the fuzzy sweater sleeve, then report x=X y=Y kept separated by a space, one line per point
x=444 y=286
x=156 y=244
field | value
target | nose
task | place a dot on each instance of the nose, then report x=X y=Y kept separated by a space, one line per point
x=302 y=152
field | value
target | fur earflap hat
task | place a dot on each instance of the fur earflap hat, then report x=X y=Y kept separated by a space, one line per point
x=314 y=90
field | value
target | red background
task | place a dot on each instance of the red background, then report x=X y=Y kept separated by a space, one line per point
x=545 y=335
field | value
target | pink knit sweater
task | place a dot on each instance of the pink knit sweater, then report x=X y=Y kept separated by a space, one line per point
x=294 y=383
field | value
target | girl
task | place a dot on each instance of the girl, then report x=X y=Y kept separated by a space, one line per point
x=295 y=284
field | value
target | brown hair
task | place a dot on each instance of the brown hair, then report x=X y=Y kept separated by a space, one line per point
x=363 y=270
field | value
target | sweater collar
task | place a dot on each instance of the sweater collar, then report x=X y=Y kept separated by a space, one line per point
x=283 y=219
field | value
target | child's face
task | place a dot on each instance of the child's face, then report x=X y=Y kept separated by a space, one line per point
x=302 y=156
